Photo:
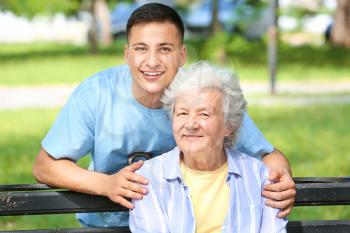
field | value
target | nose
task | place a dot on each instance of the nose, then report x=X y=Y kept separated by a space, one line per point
x=191 y=123
x=152 y=60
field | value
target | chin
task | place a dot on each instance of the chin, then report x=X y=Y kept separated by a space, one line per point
x=191 y=149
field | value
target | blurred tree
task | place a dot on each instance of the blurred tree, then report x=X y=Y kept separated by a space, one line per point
x=100 y=27
x=30 y=8
x=101 y=19
x=341 y=30
x=215 y=26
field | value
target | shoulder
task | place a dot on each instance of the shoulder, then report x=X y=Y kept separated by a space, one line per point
x=105 y=79
x=248 y=164
x=155 y=167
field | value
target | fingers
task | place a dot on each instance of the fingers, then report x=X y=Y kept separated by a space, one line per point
x=134 y=166
x=122 y=201
x=133 y=177
x=273 y=175
x=284 y=213
x=280 y=186
x=280 y=196
x=135 y=187
x=280 y=204
x=127 y=184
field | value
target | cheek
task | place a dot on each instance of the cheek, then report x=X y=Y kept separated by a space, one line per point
x=213 y=128
x=173 y=62
x=134 y=60
x=178 y=124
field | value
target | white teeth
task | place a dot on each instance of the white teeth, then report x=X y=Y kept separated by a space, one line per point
x=152 y=73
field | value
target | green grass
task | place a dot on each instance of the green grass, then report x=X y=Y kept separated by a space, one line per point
x=39 y=64
x=52 y=63
x=22 y=132
x=315 y=139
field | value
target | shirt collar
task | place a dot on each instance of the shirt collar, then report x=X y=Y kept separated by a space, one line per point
x=171 y=163
x=233 y=156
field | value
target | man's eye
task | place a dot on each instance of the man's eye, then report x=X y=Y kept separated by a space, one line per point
x=165 y=49
x=204 y=114
x=140 y=49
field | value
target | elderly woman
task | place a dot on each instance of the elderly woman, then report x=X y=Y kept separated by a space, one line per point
x=204 y=184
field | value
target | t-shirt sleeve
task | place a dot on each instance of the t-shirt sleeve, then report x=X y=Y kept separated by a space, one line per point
x=72 y=134
x=251 y=141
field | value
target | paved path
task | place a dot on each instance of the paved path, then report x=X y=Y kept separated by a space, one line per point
x=298 y=94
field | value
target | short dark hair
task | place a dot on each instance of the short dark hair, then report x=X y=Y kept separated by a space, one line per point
x=155 y=12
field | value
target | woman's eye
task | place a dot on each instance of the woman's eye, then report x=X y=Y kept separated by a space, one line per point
x=181 y=114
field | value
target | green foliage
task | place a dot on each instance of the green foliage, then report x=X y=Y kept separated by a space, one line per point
x=30 y=8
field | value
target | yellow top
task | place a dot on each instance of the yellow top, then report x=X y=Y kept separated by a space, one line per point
x=209 y=195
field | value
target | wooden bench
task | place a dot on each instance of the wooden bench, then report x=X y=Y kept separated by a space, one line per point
x=40 y=199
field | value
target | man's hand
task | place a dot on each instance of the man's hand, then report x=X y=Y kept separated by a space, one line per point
x=281 y=192
x=64 y=173
x=126 y=184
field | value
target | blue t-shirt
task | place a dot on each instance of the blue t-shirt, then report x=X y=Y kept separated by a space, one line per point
x=103 y=119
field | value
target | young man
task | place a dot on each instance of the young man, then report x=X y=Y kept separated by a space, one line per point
x=118 y=112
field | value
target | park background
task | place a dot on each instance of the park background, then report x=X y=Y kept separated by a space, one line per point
x=307 y=117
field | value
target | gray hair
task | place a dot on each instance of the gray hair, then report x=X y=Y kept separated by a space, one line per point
x=202 y=75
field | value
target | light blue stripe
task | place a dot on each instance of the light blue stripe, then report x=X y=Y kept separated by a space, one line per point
x=168 y=207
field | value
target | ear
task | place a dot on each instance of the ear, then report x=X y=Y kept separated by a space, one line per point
x=126 y=53
x=183 y=55
x=229 y=130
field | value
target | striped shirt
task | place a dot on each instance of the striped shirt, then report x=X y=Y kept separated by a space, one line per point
x=167 y=208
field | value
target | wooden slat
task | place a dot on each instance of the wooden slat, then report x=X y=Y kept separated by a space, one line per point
x=309 y=194
x=24 y=187
x=28 y=200
x=292 y=227
x=76 y=230
x=326 y=226
x=55 y=202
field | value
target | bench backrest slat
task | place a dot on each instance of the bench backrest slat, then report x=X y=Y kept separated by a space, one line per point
x=41 y=199
x=46 y=201
x=77 y=230
x=53 y=202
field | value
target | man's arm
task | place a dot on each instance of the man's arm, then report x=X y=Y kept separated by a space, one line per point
x=64 y=173
x=281 y=193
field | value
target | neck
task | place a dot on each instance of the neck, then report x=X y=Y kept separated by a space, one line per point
x=204 y=161
x=148 y=100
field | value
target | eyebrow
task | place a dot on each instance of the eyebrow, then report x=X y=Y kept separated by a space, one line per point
x=161 y=44
x=166 y=44
x=139 y=43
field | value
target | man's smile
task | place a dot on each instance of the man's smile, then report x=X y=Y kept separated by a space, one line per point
x=152 y=75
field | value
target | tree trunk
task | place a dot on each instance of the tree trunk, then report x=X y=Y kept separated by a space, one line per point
x=272 y=33
x=92 y=35
x=103 y=21
x=215 y=24
x=341 y=29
